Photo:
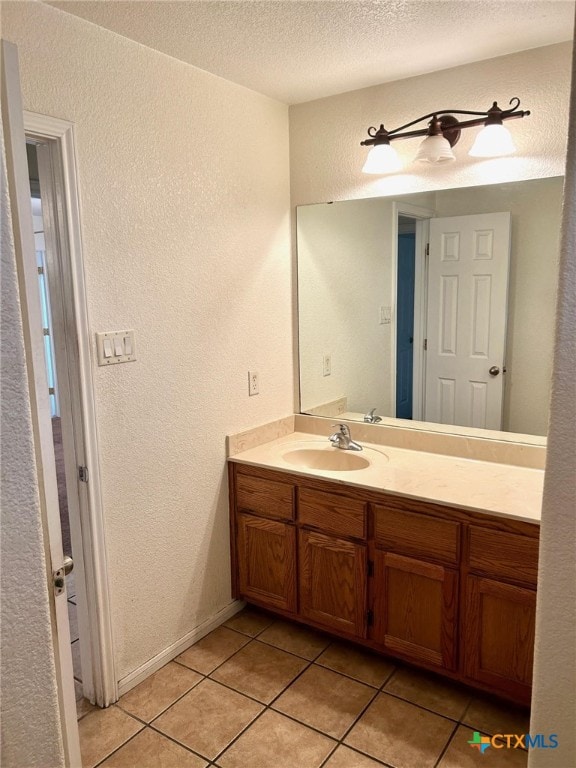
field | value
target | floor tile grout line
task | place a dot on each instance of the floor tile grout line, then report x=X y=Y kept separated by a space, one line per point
x=358 y=716
x=85 y=713
x=206 y=674
x=253 y=698
x=235 y=690
x=294 y=719
x=306 y=725
x=174 y=740
x=376 y=690
x=270 y=705
x=238 y=735
x=279 y=648
x=119 y=705
x=392 y=674
x=351 y=677
x=420 y=706
x=446 y=746
x=330 y=640
x=266 y=708
x=359 y=752
x=274 y=620
x=229 y=658
x=465 y=724
x=329 y=755
x=116 y=749
x=285 y=688
x=372 y=688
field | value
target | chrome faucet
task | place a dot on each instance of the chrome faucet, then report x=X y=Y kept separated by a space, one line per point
x=343 y=439
x=370 y=418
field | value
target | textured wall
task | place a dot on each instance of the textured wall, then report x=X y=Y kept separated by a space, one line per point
x=325 y=153
x=553 y=700
x=30 y=723
x=185 y=211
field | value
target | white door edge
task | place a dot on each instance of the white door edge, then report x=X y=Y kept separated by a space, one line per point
x=19 y=192
x=91 y=511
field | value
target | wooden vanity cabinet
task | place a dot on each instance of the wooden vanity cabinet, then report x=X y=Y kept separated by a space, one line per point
x=332 y=559
x=267 y=561
x=415 y=609
x=500 y=610
x=450 y=590
x=416 y=585
x=265 y=542
x=333 y=582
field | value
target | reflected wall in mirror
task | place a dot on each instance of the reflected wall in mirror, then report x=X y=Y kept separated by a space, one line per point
x=431 y=307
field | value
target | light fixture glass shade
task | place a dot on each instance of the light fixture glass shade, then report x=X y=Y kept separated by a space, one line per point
x=382 y=158
x=435 y=149
x=493 y=141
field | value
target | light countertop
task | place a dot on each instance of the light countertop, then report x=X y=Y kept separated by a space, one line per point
x=481 y=486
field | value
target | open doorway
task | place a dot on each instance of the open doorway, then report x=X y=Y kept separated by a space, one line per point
x=67 y=356
x=48 y=260
x=405 y=287
x=411 y=226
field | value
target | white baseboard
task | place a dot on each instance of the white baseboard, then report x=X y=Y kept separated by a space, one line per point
x=162 y=658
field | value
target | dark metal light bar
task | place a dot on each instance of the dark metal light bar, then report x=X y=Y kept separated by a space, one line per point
x=450 y=126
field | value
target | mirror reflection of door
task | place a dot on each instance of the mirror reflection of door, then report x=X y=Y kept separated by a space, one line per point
x=405 y=316
x=468 y=269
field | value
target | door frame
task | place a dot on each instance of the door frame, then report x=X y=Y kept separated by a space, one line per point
x=94 y=616
x=38 y=395
x=421 y=217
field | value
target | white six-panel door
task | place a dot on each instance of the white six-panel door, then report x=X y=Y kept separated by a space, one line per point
x=466 y=325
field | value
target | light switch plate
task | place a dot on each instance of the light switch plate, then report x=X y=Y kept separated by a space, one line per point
x=115 y=347
x=385 y=315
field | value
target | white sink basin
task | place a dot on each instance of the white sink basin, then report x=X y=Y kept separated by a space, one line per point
x=328 y=458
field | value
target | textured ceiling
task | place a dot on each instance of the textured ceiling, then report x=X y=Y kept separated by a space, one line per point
x=298 y=50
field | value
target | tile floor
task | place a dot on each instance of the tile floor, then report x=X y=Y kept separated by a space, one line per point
x=83 y=706
x=263 y=693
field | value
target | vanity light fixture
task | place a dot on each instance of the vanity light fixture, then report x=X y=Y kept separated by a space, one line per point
x=442 y=133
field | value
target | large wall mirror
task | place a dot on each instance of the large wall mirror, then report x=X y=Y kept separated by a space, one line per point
x=434 y=308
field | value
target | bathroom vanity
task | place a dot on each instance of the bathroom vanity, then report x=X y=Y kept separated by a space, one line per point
x=443 y=585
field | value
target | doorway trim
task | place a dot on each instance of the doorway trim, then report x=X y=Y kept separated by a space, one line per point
x=421 y=217
x=99 y=629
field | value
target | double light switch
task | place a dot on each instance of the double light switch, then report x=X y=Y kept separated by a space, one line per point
x=115 y=347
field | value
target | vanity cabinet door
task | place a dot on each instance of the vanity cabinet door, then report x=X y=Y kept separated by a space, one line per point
x=267 y=562
x=415 y=609
x=333 y=578
x=498 y=636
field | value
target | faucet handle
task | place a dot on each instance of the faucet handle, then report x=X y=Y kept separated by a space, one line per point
x=344 y=429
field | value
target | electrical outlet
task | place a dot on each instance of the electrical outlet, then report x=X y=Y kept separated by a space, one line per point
x=253 y=386
x=326 y=365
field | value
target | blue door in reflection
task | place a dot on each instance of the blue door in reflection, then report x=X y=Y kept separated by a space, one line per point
x=405 y=324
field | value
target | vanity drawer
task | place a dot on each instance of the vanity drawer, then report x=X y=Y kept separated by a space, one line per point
x=268 y=498
x=406 y=533
x=503 y=555
x=332 y=513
